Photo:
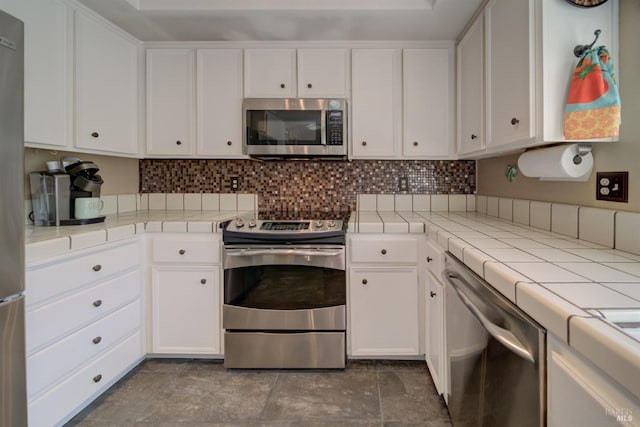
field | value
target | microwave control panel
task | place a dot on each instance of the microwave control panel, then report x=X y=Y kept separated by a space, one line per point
x=335 y=127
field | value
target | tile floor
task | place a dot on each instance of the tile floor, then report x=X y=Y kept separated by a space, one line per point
x=367 y=393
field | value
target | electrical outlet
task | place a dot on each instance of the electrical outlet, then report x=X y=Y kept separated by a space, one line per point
x=403 y=183
x=235 y=183
x=612 y=186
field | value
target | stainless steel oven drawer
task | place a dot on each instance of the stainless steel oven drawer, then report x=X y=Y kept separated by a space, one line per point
x=327 y=318
x=266 y=350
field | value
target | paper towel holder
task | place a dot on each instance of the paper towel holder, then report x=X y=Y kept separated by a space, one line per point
x=583 y=150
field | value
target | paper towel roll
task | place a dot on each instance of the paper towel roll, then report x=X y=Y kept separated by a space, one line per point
x=556 y=164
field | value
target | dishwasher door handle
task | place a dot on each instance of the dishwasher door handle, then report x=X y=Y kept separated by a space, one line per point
x=295 y=252
x=502 y=335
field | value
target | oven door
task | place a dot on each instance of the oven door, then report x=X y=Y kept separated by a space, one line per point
x=284 y=288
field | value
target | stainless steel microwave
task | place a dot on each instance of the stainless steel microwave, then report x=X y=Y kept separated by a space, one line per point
x=295 y=127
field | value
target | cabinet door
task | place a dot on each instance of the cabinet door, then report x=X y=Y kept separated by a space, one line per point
x=47 y=70
x=107 y=88
x=510 y=77
x=383 y=306
x=219 y=102
x=170 y=86
x=434 y=342
x=376 y=105
x=186 y=310
x=470 y=53
x=428 y=104
x=270 y=73
x=323 y=73
x=579 y=394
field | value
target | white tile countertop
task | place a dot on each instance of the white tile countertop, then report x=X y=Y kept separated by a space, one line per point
x=564 y=283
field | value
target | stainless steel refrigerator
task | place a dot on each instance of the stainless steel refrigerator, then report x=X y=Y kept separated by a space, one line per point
x=13 y=396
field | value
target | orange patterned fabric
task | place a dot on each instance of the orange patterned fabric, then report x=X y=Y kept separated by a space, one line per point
x=593 y=102
x=598 y=123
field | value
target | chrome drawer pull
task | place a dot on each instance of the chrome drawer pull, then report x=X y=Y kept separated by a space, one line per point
x=97 y=267
x=97 y=340
x=97 y=303
x=97 y=378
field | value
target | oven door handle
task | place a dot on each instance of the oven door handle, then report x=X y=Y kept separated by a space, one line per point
x=299 y=252
x=502 y=335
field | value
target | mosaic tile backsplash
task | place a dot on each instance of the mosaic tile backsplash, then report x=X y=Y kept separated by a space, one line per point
x=308 y=186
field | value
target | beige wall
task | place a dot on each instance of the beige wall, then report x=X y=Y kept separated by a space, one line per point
x=609 y=157
x=120 y=175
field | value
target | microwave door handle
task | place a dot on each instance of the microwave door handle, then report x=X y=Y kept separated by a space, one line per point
x=502 y=335
x=323 y=127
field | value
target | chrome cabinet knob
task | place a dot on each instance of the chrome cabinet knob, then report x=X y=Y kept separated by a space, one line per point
x=97 y=303
x=383 y=252
x=364 y=143
x=96 y=267
x=309 y=85
x=282 y=85
x=514 y=121
x=182 y=251
x=97 y=378
x=178 y=142
x=95 y=134
x=432 y=294
x=364 y=281
x=203 y=281
x=97 y=340
x=429 y=259
x=415 y=143
x=229 y=143
x=474 y=136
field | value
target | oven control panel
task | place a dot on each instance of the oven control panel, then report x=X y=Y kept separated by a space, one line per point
x=276 y=226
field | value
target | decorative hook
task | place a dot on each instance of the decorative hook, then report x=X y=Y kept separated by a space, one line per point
x=582 y=48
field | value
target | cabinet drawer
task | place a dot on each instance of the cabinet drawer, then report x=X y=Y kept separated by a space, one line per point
x=397 y=250
x=57 y=404
x=58 y=279
x=178 y=251
x=65 y=356
x=434 y=256
x=48 y=323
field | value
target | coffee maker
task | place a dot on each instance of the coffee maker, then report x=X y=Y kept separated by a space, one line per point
x=54 y=192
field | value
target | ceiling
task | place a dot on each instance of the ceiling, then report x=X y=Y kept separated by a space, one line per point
x=282 y=20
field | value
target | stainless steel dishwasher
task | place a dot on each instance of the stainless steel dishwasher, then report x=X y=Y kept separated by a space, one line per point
x=495 y=354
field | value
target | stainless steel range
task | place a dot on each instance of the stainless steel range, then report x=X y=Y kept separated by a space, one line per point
x=284 y=292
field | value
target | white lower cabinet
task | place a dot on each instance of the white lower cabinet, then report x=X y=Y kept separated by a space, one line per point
x=186 y=310
x=579 y=394
x=185 y=294
x=383 y=311
x=434 y=331
x=84 y=327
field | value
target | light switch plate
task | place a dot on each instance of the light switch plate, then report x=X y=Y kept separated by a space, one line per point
x=612 y=186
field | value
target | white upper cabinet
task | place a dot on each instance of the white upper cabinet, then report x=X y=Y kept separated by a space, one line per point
x=48 y=64
x=270 y=73
x=510 y=74
x=470 y=74
x=376 y=102
x=219 y=102
x=170 y=102
x=106 y=88
x=428 y=107
x=323 y=73
x=528 y=63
